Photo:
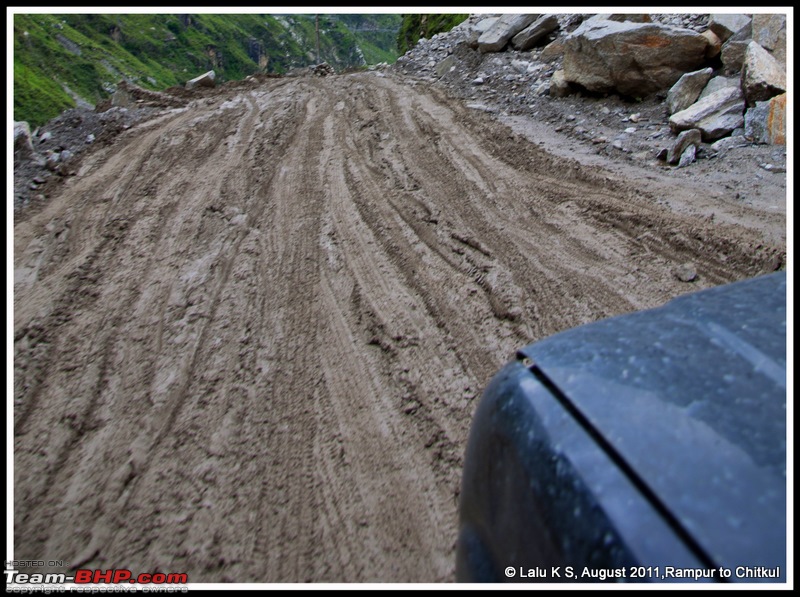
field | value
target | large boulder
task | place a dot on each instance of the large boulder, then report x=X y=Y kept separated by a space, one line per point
x=688 y=88
x=634 y=59
x=726 y=26
x=717 y=83
x=484 y=25
x=475 y=31
x=552 y=51
x=205 y=80
x=766 y=121
x=762 y=76
x=717 y=115
x=506 y=27
x=733 y=56
x=535 y=32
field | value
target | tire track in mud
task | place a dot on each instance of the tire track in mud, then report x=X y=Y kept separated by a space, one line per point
x=249 y=337
x=514 y=217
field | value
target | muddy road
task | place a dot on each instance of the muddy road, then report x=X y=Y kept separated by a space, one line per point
x=249 y=336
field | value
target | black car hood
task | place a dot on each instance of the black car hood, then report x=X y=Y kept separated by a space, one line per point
x=691 y=399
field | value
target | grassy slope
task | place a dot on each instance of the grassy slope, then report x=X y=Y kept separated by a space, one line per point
x=89 y=54
x=416 y=26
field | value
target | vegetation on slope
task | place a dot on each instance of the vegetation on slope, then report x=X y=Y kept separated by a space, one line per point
x=62 y=58
x=418 y=26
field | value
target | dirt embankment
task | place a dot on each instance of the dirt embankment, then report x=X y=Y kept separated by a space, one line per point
x=251 y=333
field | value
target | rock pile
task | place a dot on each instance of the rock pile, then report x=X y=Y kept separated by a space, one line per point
x=53 y=151
x=322 y=70
x=129 y=95
x=718 y=75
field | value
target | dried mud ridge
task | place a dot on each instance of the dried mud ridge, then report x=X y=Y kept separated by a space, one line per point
x=251 y=333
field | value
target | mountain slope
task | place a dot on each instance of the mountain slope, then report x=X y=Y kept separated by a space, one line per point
x=61 y=60
x=416 y=26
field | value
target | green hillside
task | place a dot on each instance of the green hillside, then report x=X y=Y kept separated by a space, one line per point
x=60 y=58
x=416 y=26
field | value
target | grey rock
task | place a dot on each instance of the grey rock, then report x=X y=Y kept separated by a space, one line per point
x=481 y=107
x=634 y=59
x=22 y=138
x=521 y=66
x=207 y=79
x=541 y=89
x=497 y=36
x=692 y=137
x=727 y=143
x=772 y=168
x=535 y=32
x=762 y=76
x=477 y=81
x=686 y=272
x=445 y=65
x=769 y=31
x=484 y=25
x=470 y=39
x=620 y=17
x=727 y=25
x=716 y=115
x=717 y=83
x=688 y=88
x=687 y=157
x=733 y=56
x=552 y=51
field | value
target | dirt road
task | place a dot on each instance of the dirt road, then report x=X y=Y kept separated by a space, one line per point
x=251 y=333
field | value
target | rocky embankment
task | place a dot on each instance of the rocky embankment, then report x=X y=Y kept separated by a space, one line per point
x=660 y=89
